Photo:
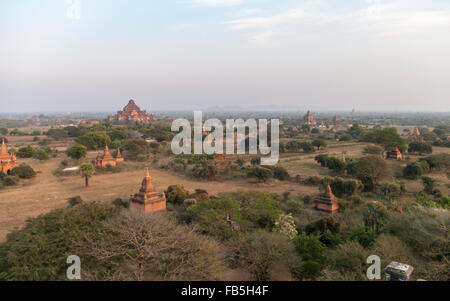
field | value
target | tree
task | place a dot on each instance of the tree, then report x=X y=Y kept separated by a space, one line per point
x=94 y=140
x=77 y=152
x=25 y=152
x=372 y=150
x=280 y=173
x=311 y=250
x=420 y=148
x=23 y=171
x=335 y=164
x=205 y=170
x=87 y=170
x=307 y=147
x=259 y=251
x=370 y=170
x=152 y=247
x=322 y=159
x=415 y=170
x=306 y=128
x=428 y=184
x=57 y=134
x=136 y=147
x=41 y=154
x=355 y=131
x=3 y=131
x=176 y=194
x=319 y=143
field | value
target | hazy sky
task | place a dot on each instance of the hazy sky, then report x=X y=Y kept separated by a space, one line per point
x=193 y=54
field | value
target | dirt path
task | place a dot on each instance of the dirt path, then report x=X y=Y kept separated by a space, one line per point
x=47 y=192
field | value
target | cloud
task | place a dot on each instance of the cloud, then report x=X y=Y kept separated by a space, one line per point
x=217 y=2
x=266 y=22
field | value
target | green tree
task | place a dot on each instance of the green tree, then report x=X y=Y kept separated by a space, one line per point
x=23 y=171
x=77 y=152
x=261 y=173
x=307 y=147
x=86 y=171
x=319 y=144
x=370 y=170
x=335 y=164
x=25 y=152
x=420 y=148
x=94 y=140
x=428 y=184
x=136 y=147
x=41 y=154
x=311 y=249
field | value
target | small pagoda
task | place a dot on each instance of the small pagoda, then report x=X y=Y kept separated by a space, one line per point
x=106 y=158
x=148 y=199
x=327 y=202
x=395 y=154
x=309 y=119
x=7 y=161
x=415 y=136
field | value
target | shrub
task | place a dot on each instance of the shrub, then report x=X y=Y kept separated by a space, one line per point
x=321 y=159
x=413 y=171
x=280 y=173
x=41 y=154
x=77 y=152
x=335 y=164
x=349 y=260
x=294 y=206
x=176 y=194
x=363 y=235
x=420 y=148
x=311 y=250
x=75 y=201
x=205 y=170
x=23 y=171
x=25 y=152
x=372 y=150
x=261 y=173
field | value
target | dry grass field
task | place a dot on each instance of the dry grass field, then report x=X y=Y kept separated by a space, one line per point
x=46 y=191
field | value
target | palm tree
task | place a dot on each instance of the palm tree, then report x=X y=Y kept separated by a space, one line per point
x=87 y=170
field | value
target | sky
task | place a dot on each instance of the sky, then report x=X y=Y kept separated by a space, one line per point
x=323 y=55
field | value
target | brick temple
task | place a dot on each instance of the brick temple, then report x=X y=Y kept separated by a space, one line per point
x=106 y=158
x=327 y=202
x=7 y=161
x=132 y=113
x=394 y=154
x=309 y=119
x=148 y=199
x=415 y=136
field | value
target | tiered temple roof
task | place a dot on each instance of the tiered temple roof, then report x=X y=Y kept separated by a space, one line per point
x=131 y=112
x=415 y=136
x=7 y=161
x=106 y=158
x=327 y=202
x=309 y=119
x=394 y=154
x=148 y=199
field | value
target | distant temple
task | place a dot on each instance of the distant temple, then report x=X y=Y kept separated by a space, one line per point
x=131 y=112
x=336 y=120
x=394 y=154
x=106 y=158
x=309 y=119
x=148 y=199
x=327 y=202
x=7 y=161
x=415 y=136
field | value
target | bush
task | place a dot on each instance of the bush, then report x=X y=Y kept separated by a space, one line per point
x=335 y=164
x=25 y=152
x=322 y=160
x=349 y=260
x=363 y=235
x=23 y=171
x=261 y=173
x=75 y=201
x=311 y=250
x=205 y=170
x=372 y=150
x=294 y=206
x=41 y=154
x=176 y=194
x=420 y=148
x=281 y=173
x=77 y=152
